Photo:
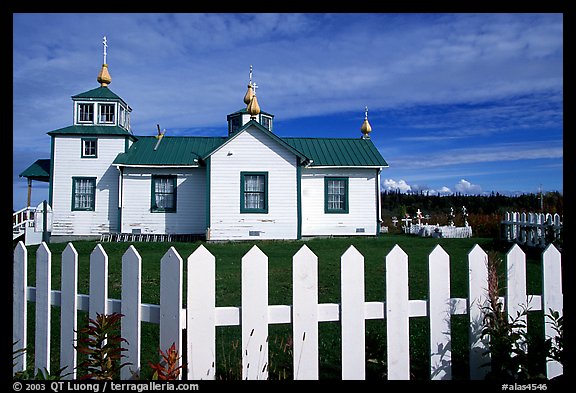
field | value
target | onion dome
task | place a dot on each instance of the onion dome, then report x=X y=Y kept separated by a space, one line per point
x=366 y=127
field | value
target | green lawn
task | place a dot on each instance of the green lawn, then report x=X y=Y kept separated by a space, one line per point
x=228 y=264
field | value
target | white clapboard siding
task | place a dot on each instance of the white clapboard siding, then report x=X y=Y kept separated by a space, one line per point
x=68 y=314
x=201 y=316
x=362 y=202
x=68 y=163
x=190 y=215
x=253 y=150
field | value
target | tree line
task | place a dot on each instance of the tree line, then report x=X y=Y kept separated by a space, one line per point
x=398 y=204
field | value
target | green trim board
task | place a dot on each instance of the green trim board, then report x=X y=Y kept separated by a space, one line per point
x=153 y=202
x=208 y=193
x=51 y=180
x=92 y=181
x=243 y=192
x=298 y=199
x=337 y=197
x=89 y=130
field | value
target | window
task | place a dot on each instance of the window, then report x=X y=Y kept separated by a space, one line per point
x=106 y=113
x=336 y=194
x=89 y=148
x=163 y=194
x=253 y=192
x=267 y=122
x=122 y=116
x=85 y=113
x=235 y=123
x=83 y=193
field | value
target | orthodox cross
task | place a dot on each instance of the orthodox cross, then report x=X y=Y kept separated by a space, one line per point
x=105 y=43
x=366 y=113
x=253 y=84
x=419 y=216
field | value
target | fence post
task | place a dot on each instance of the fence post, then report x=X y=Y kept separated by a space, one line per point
x=171 y=302
x=439 y=313
x=200 y=315
x=20 y=305
x=305 y=314
x=254 y=315
x=68 y=307
x=477 y=300
x=352 y=315
x=43 y=300
x=397 y=314
x=130 y=308
x=552 y=299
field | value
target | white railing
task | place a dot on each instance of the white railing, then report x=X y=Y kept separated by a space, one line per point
x=201 y=317
x=20 y=219
x=445 y=231
x=531 y=229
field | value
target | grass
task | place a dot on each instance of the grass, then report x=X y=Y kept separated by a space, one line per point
x=228 y=273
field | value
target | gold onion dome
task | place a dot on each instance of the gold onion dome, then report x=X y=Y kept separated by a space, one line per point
x=104 y=77
x=366 y=127
x=253 y=107
x=249 y=95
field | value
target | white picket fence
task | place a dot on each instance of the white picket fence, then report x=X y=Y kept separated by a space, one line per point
x=201 y=317
x=531 y=229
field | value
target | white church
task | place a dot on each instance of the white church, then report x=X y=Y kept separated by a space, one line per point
x=248 y=184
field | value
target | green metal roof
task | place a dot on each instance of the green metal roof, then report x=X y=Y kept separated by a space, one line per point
x=40 y=170
x=338 y=151
x=172 y=150
x=99 y=93
x=244 y=111
x=92 y=130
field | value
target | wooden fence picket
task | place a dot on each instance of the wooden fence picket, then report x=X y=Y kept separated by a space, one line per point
x=131 y=301
x=552 y=300
x=353 y=318
x=171 y=276
x=20 y=305
x=68 y=311
x=439 y=312
x=254 y=315
x=305 y=314
x=98 y=282
x=477 y=301
x=201 y=313
x=397 y=314
x=201 y=317
x=516 y=300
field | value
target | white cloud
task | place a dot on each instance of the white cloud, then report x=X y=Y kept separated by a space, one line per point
x=465 y=187
x=393 y=185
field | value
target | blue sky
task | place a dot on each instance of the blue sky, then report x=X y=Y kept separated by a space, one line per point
x=469 y=103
